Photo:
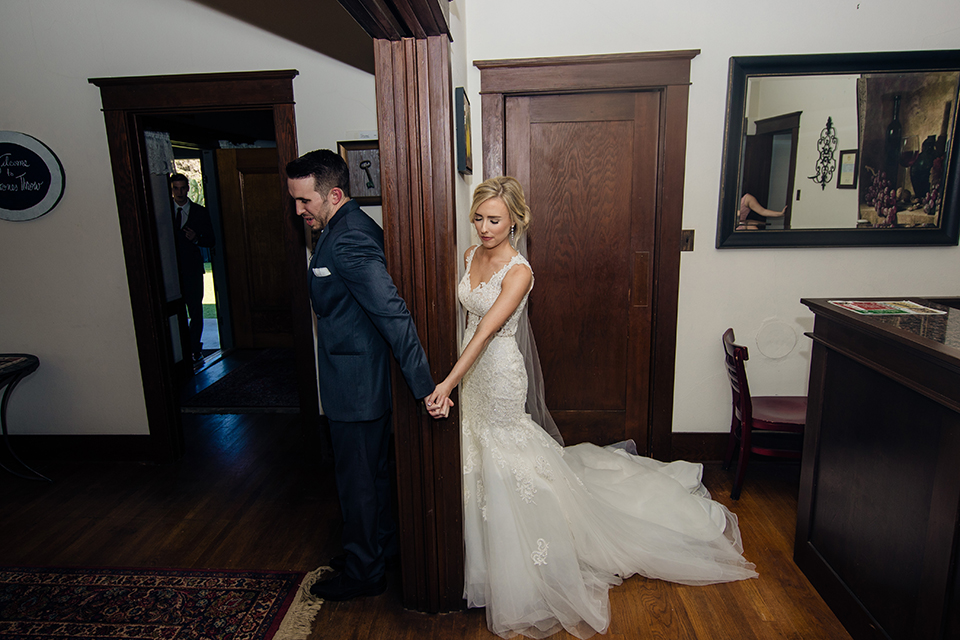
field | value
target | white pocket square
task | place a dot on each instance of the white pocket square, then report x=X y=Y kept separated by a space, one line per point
x=321 y=272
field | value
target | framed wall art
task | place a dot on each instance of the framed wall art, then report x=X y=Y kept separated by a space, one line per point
x=363 y=161
x=464 y=144
x=847 y=177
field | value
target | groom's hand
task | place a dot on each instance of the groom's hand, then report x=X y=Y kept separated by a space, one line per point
x=438 y=407
x=438 y=403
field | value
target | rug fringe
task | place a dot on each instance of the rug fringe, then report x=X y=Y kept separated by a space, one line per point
x=298 y=622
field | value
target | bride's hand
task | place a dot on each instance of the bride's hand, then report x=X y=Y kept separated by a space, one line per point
x=439 y=402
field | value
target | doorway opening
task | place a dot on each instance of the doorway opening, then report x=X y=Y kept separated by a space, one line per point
x=128 y=105
x=230 y=161
x=769 y=165
x=188 y=161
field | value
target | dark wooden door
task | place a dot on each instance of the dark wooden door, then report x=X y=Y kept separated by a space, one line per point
x=252 y=211
x=589 y=165
x=757 y=155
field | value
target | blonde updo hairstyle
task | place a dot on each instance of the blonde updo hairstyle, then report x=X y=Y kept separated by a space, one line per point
x=509 y=191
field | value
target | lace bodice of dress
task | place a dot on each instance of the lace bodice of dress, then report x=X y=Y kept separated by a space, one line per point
x=478 y=301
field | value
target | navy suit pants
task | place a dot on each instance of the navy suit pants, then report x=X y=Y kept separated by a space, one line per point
x=362 y=466
x=192 y=291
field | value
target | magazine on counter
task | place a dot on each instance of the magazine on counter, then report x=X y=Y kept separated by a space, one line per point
x=886 y=307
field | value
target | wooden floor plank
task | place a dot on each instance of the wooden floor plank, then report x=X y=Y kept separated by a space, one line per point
x=642 y=608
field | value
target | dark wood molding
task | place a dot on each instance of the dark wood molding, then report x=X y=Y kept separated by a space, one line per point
x=124 y=101
x=667 y=269
x=201 y=91
x=145 y=283
x=415 y=124
x=584 y=73
x=397 y=19
x=669 y=73
x=599 y=59
x=699 y=447
x=779 y=123
x=85 y=448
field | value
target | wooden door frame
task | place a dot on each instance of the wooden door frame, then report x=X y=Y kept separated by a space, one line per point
x=415 y=124
x=411 y=50
x=669 y=73
x=124 y=101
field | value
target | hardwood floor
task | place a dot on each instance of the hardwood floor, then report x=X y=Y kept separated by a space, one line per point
x=247 y=495
x=254 y=492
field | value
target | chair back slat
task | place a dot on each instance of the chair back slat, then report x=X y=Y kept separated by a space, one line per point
x=736 y=355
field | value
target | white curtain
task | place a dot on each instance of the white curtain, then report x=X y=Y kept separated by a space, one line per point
x=160 y=165
x=159 y=152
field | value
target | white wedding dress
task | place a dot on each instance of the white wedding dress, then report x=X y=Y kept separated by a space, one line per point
x=549 y=529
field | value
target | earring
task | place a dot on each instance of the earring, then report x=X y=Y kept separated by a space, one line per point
x=513 y=232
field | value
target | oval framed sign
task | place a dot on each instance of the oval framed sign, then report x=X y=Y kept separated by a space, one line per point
x=31 y=177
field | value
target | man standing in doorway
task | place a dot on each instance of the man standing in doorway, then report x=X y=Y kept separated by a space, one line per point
x=360 y=320
x=192 y=230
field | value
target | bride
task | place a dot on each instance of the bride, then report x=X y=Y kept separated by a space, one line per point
x=549 y=529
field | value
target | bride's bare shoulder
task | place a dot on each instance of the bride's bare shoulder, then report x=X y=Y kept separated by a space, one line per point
x=520 y=275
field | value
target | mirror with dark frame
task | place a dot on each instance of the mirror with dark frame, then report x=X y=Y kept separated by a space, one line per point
x=841 y=150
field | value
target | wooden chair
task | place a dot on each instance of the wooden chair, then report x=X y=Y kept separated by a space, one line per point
x=777 y=419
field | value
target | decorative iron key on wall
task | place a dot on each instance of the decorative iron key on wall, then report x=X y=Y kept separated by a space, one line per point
x=365 y=165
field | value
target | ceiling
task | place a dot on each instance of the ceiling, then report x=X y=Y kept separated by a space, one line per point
x=321 y=25
x=324 y=26
x=342 y=29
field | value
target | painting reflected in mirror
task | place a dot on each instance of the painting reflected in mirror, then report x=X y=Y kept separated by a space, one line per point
x=847 y=149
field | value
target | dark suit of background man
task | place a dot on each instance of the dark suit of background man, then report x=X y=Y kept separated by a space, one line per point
x=192 y=230
x=360 y=320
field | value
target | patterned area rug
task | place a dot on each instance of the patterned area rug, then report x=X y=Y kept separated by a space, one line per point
x=47 y=603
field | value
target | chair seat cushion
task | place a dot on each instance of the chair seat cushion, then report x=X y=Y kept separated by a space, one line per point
x=781 y=409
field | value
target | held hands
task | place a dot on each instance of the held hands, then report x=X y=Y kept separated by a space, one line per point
x=438 y=403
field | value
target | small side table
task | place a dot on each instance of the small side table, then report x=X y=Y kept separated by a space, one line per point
x=14 y=367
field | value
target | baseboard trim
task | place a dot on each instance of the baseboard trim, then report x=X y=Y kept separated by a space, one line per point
x=699 y=447
x=83 y=448
x=692 y=446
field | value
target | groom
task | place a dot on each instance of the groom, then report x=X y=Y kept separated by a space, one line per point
x=360 y=320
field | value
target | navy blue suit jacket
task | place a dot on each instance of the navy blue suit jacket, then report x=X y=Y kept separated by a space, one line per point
x=361 y=318
x=189 y=256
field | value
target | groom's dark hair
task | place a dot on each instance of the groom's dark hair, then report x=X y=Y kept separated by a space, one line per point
x=327 y=169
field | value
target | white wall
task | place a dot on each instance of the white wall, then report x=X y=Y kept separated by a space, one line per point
x=757 y=291
x=465 y=184
x=63 y=287
x=461 y=67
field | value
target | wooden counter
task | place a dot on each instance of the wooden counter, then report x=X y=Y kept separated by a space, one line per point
x=880 y=482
